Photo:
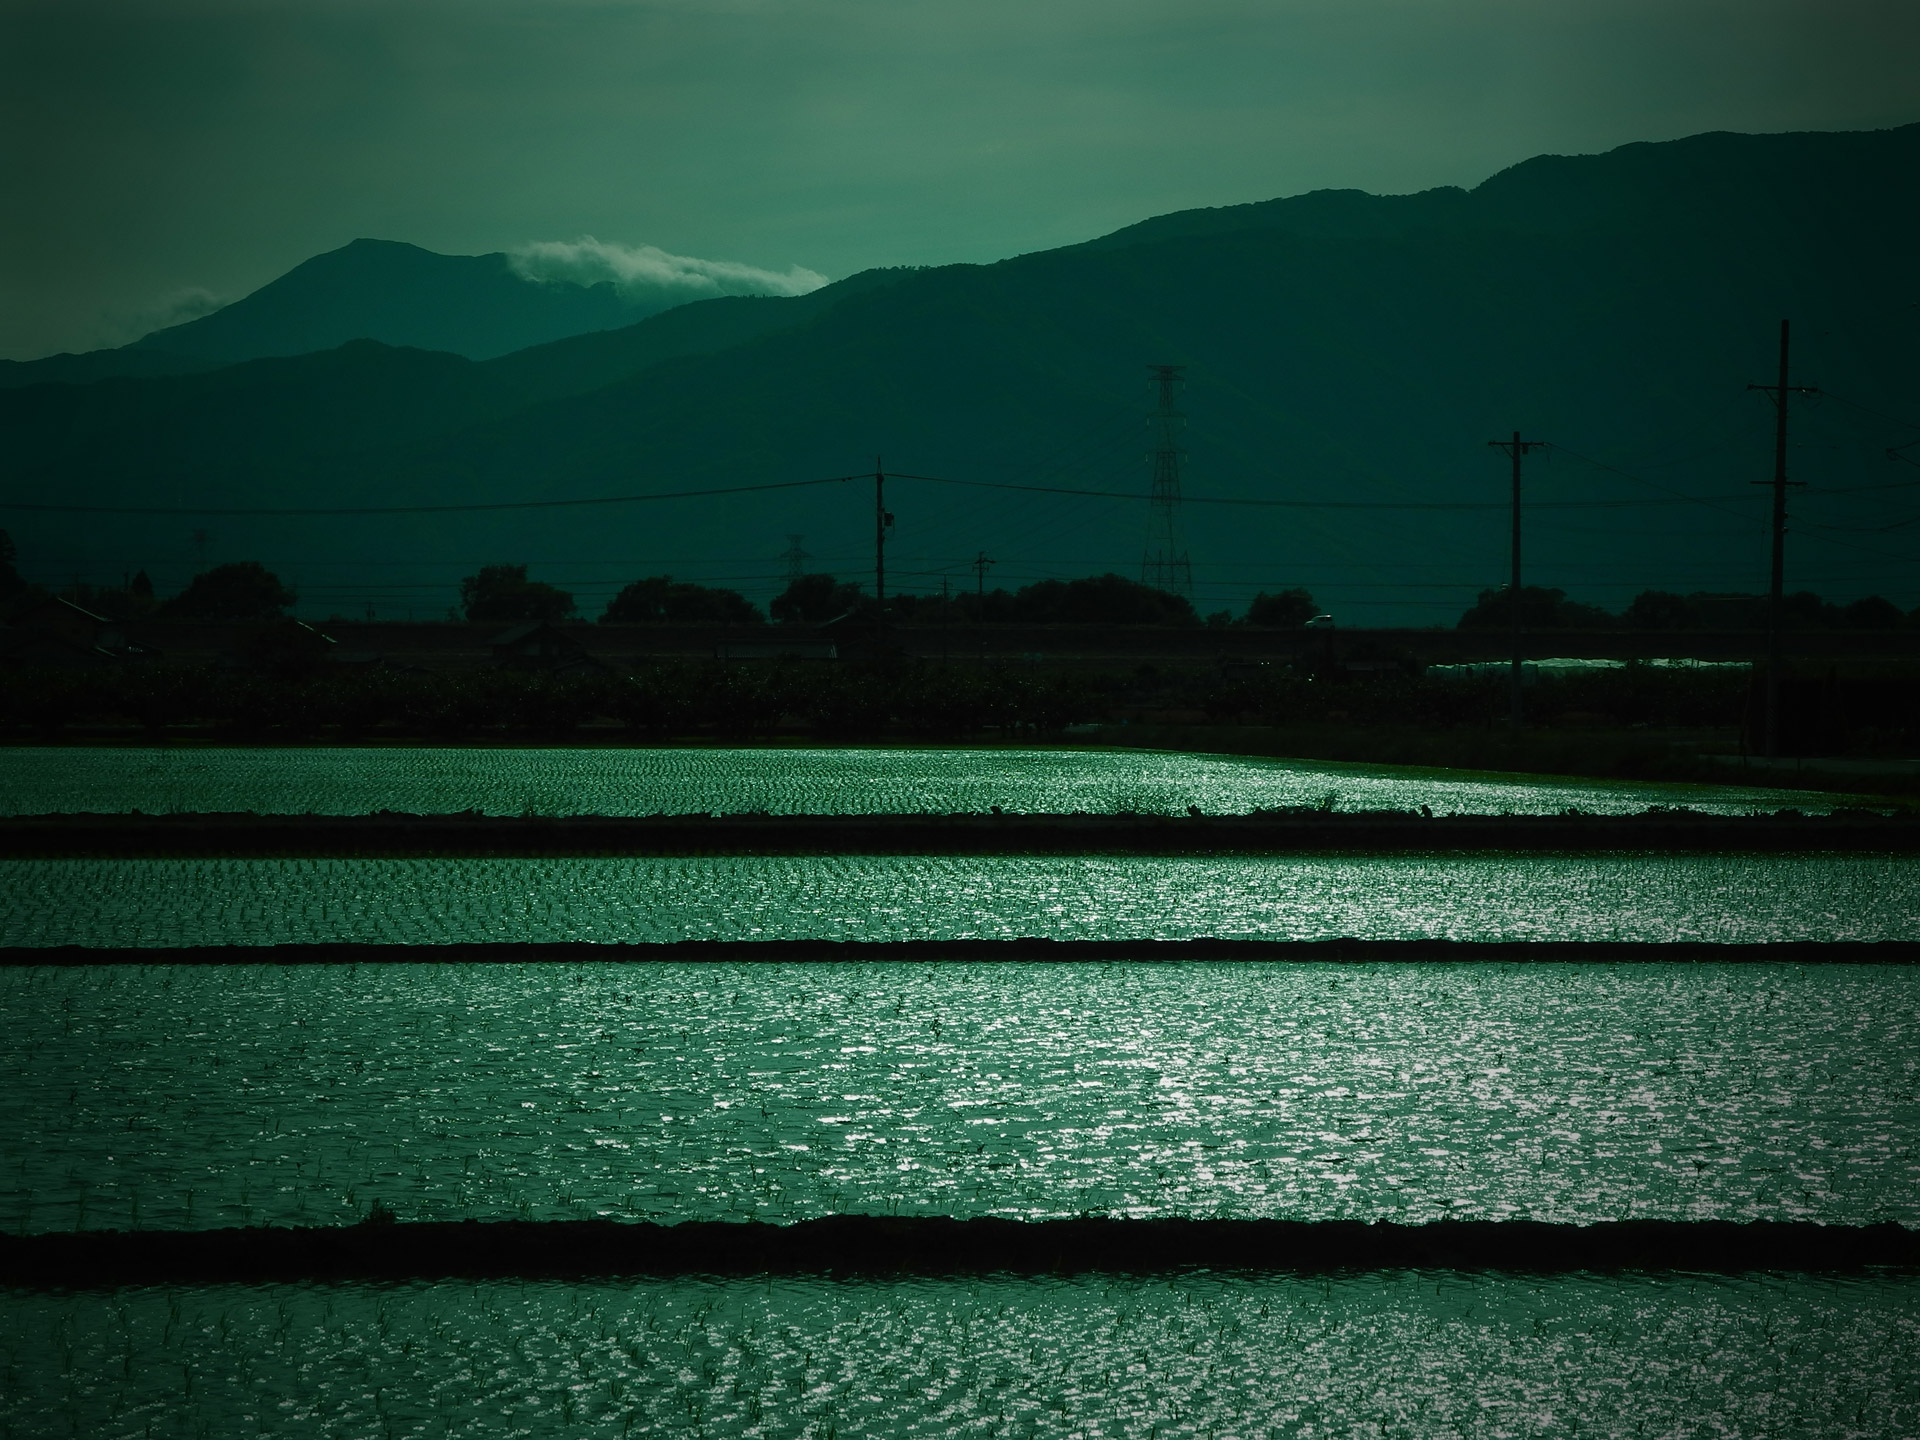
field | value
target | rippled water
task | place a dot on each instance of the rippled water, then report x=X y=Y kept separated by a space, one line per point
x=432 y=780
x=202 y=1097
x=1427 y=1354
x=1463 y=897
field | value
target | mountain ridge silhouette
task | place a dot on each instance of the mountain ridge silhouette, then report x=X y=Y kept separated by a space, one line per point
x=1341 y=347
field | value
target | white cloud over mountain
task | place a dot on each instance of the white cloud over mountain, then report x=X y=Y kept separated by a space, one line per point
x=646 y=272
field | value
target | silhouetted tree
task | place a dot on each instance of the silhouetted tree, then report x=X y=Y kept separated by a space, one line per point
x=1101 y=600
x=244 y=590
x=1540 y=609
x=1804 y=610
x=1288 y=610
x=995 y=607
x=813 y=599
x=1658 y=610
x=503 y=593
x=12 y=585
x=1872 y=613
x=658 y=599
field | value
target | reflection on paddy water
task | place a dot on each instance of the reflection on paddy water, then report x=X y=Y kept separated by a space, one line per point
x=182 y=1097
x=1739 y=899
x=1430 y=1354
x=202 y=1097
x=445 y=780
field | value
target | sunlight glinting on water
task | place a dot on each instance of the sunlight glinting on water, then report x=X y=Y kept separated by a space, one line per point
x=1428 y=1354
x=200 y=1097
x=1736 y=899
x=501 y=781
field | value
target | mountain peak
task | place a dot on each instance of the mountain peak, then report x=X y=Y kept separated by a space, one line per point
x=399 y=294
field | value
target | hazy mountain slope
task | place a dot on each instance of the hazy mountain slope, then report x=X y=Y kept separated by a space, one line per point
x=1616 y=304
x=585 y=362
x=1727 y=181
x=267 y=427
x=401 y=295
x=91 y=365
x=472 y=305
x=296 y=419
x=1334 y=368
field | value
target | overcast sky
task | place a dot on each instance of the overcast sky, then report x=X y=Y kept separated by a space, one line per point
x=158 y=155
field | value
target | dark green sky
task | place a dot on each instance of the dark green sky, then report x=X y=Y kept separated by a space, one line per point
x=156 y=151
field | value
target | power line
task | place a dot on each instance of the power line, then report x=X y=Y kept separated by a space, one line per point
x=1325 y=504
x=1164 y=563
x=1877 y=414
x=418 y=509
x=1236 y=500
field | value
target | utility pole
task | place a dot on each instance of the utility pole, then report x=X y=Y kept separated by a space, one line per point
x=1777 y=582
x=882 y=522
x=1517 y=448
x=1164 y=565
x=980 y=563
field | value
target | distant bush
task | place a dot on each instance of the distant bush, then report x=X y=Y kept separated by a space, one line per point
x=1101 y=600
x=816 y=599
x=1288 y=610
x=1800 y=610
x=503 y=593
x=244 y=590
x=1540 y=609
x=659 y=599
x=12 y=585
x=660 y=701
x=1628 y=695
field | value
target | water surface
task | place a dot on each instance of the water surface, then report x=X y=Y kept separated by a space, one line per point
x=500 y=781
x=1734 y=899
x=200 y=1097
x=1415 y=1354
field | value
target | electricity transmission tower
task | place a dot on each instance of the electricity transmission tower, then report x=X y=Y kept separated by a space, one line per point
x=796 y=558
x=1164 y=563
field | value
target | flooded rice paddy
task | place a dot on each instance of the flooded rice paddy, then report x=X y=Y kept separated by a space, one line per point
x=1426 y=1354
x=447 y=780
x=204 y=1097
x=200 y=1097
x=1732 y=899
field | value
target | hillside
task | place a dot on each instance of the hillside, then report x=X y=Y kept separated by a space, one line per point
x=476 y=306
x=1343 y=349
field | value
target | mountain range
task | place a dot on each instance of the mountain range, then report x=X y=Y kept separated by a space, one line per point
x=1341 y=351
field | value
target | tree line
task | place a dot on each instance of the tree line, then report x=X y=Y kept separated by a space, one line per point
x=1545 y=609
x=269 y=696
x=505 y=594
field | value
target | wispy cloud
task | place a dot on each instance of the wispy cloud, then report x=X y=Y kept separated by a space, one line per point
x=646 y=272
x=176 y=307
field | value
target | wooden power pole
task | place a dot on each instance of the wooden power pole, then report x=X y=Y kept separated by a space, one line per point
x=1517 y=448
x=1777 y=579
